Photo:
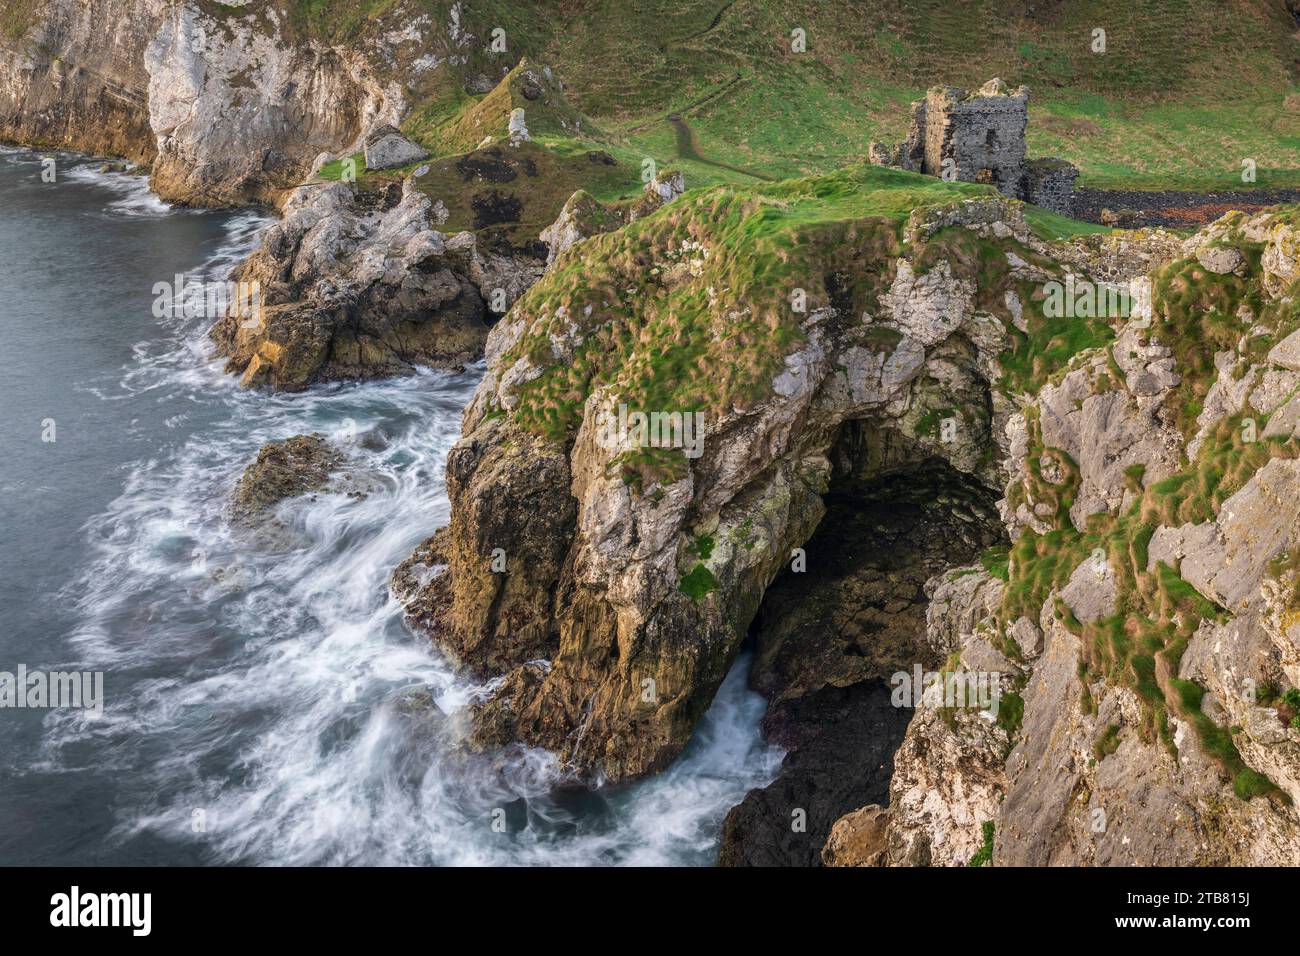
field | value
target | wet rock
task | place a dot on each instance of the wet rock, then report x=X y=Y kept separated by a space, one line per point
x=843 y=741
x=285 y=469
x=639 y=604
x=854 y=618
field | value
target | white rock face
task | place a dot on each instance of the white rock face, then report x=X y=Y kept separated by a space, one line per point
x=1084 y=785
x=667 y=187
x=1227 y=559
x=1091 y=590
x=1287 y=352
x=755 y=492
x=928 y=307
x=237 y=111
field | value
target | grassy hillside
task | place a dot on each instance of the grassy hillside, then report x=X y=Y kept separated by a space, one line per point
x=1185 y=90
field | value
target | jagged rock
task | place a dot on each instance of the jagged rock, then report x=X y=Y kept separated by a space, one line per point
x=841 y=740
x=667 y=186
x=583 y=216
x=1227 y=559
x=1091 y=591
x=1107 y=434
x=860 y=611
x=948 y=779
x=240 y=114
x=386 y=147
x=1085 y=783
x=353 y=290
x=1287 y=352
x=856 y=617
x=610 y=608
x=1226 y=396
x=1280 y=261
x=1221 y=259
x=1028 y=638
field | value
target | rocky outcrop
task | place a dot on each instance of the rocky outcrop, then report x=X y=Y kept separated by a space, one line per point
x=584 y=216
x=624 y=609
x=354 y=285
x=612 y=607
x=386 y=147
x=285 y=469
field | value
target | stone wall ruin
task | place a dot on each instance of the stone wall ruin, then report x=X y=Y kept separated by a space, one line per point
x=980 y=138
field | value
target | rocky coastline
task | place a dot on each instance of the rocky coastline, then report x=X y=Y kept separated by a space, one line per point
x=900 y=463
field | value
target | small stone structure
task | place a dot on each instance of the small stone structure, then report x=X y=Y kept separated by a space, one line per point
x=386 y=147
x=980 y=138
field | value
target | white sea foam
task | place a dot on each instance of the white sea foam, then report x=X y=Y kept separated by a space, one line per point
x=135 y=198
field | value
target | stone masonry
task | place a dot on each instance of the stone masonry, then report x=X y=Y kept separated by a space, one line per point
x=980 y=138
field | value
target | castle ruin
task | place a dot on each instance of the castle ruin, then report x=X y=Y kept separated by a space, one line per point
x=980 y=138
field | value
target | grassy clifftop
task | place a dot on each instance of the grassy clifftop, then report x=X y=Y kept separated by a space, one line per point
x=691 y=308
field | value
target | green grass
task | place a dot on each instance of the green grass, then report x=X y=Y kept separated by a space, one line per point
x=996 y=562
x=984 y=855
x=1185 y=91
x=712 y=338
x=698 y=583
x=1107 y=743
x=1141 y=645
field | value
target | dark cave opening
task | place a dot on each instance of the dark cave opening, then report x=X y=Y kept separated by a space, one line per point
x=827 y=639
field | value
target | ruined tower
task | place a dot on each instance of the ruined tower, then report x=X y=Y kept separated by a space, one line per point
x=980 y=138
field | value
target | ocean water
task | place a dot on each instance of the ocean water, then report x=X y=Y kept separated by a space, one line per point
x=262 y=704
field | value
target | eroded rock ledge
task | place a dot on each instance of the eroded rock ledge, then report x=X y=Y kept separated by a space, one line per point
x=356 y=285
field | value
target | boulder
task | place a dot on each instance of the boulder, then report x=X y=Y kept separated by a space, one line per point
x=386 y=148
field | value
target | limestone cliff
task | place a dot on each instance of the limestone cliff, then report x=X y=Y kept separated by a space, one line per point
x=1147 y=574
